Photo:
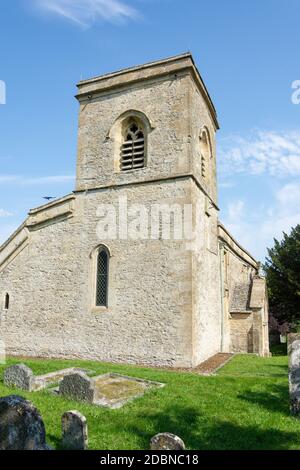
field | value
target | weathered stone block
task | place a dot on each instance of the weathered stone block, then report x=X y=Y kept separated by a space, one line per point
x=19 y=376
x=78 y=387
x=74 y=431
x=21 y=425
x=166 y=441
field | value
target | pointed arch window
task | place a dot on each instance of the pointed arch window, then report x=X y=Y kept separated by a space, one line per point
x=102 y=278
x=133 y=147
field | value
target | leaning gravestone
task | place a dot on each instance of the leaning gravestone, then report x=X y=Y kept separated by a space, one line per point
x=294 y=373
x=74 y=431
x=19 y=376
x=21 y=425
x=78 y=387
x=166 y=441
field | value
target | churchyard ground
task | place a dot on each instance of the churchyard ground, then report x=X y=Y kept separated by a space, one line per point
x=244 y=406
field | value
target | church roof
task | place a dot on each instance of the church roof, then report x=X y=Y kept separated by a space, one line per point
x=226 y=238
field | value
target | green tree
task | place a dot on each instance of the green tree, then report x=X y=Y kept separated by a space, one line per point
x=282 y=269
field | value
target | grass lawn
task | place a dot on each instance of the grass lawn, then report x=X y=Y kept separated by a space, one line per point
x=246 y=406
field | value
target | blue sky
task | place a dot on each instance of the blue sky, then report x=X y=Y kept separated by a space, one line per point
x=246 y=51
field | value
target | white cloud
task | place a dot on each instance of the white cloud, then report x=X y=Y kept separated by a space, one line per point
x=86 y=12
x=289 y=195
x=235 y=209
x=48 y=180
x=4 y=213
x=7 y=178
x=285 y=213
x=39 y=180
x=256 y=229
x=262 y=152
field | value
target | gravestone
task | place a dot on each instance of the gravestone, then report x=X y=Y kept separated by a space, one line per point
x=166 y=441
x=43 y=381
x=78 y=387
x=291 y=337
x=22 y=377
x=74 y=431
x=19 y=376
x=108 y=390
x=21 y=425
x=294 y=372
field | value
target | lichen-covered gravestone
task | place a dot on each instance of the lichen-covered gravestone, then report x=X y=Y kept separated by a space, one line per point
x=21 y=425
x=294 y=373
x=19 y=376
x=166 y=441
x=74 y=431
x=78 y=387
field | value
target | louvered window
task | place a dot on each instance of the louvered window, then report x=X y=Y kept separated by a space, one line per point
x=6 y=302
x=205 y=149
x=133 y=149
x=203 y=166
x=102 y=279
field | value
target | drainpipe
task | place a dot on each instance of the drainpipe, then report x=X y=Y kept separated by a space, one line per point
x=222 y=294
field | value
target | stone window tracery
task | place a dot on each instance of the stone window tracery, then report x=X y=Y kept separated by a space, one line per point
x=133 y=147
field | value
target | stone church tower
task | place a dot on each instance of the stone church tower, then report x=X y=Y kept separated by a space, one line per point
x=108 y=272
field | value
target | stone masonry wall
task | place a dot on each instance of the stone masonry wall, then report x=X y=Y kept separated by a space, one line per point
x=150 y=289
x=165 y=304
x=237 y=327
x=206 y=282
x=241 y=333
x=164 y=103
x=200 y=118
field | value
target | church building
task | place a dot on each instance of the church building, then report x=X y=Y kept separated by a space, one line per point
x=134 y=266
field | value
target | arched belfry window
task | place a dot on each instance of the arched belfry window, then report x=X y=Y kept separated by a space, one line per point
x=102 y=278
x=133 y=147
x=205 y=149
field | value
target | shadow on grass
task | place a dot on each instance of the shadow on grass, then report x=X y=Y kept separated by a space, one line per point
x=279 y=349
x=275 y=399
x=279 y=366
x=55 y=441
x=199 y=433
